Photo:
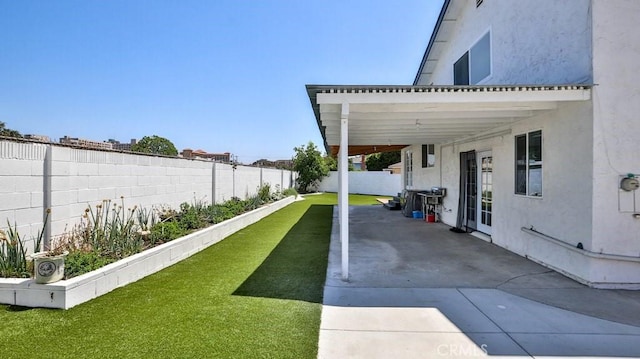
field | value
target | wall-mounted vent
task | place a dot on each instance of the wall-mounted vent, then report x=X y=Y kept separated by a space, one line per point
x=478 y=2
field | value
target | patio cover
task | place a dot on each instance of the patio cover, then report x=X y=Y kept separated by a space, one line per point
x=368 y=119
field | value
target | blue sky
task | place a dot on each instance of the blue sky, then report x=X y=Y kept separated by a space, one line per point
x=219 y=75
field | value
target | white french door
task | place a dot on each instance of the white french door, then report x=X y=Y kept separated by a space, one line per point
x=485 y=191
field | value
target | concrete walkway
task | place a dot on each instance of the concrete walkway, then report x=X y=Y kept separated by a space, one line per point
x=417 y=290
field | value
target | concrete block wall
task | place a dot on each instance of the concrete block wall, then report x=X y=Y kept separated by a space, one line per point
x=365 y=182
x=36 y=176
x=276 y=178
x=22 y=186
x=245 y=181
x=80 y=178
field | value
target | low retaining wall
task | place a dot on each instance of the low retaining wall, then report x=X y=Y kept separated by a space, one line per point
x=69 y=293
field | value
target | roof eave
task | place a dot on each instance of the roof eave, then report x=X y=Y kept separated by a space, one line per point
x=443 y=12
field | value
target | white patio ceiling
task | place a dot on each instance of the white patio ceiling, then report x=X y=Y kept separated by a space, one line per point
x=368 y=119
x=382 y=116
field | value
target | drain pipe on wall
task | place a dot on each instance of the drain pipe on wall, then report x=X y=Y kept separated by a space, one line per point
x=440 y=155
x=46 y=198
x=577 y=248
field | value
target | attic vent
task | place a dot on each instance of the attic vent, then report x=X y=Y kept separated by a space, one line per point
x=478 y=2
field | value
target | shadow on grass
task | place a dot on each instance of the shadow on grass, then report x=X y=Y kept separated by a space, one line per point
x=17 y=308
x=296 y=269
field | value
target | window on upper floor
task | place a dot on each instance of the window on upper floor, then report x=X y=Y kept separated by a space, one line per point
x=461 y=70
x=428 y=155
x=474 y=65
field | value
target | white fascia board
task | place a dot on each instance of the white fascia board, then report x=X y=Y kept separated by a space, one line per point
x=443 y=97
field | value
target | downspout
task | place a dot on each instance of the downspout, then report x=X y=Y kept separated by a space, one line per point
x=46 y=197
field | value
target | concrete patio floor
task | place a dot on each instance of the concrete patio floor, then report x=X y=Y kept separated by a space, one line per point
x=418 y=290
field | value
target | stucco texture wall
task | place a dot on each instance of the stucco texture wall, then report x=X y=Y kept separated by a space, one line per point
x=616 y=98
x=532 y=41
x=564 y=211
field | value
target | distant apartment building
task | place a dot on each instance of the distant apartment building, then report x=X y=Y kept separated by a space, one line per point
x=280 y=164
x=41 y=138
x=286 y=164
x=74 y=141
x=117 y=145
x=217 y=157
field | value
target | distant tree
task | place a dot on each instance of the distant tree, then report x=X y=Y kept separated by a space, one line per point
x=310 y=165
x=333 y=163
x=4 y=131
x=155 y=144
x=380 y=161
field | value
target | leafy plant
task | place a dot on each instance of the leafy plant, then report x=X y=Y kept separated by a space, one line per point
x=380 y=161
x=310 y=165
x=166 y=231
x=109 y=232
x=14 y=261
x=192 y=217
x=289 y=192
x=264 y=193
x=155 y=144
x=80 y=262
x=110 y=229
x=13 y=254
x=146 y=218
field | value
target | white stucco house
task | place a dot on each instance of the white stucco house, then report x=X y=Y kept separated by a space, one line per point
x=528 y=113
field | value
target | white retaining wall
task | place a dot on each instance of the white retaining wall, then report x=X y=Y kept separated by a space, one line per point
x=365 y=182
x=69 y=293
x=36 y=176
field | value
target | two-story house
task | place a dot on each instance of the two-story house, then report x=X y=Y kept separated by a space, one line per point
x=527 y=112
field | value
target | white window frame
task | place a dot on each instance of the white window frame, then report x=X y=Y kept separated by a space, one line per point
x=486 y=33
x=408 y=169
x=470 y=59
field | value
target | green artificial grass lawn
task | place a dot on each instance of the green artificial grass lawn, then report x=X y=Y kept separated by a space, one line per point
x=257 y=294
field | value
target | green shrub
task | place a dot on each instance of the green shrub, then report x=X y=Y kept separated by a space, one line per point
x=13 y=254
x=289 y=192
x=166 y=231
x=264 y=193
x=14 y=261
x=80 y=262
x=192 y=217
x=108 y=232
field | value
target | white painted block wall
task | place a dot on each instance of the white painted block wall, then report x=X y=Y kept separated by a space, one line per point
x=21 y=187
x=365 y=182
x=80 y=177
